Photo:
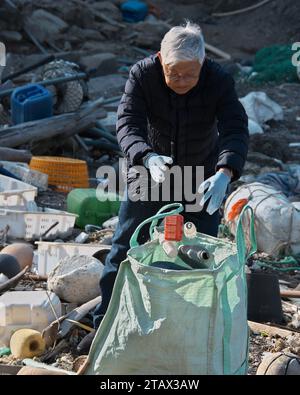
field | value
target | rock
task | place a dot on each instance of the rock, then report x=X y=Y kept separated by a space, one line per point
x=44 y=25
x=76 y=279
x=76 y=15
x=100 y=64
x=279 y=364
x=9 y=265
x=150 y=34
x=106 y=86
x=108 y=9
x=27 y=343
x=22 y=252
x=77 y=34
x=8 y=35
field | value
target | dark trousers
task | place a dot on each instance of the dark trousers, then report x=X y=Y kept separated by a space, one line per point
x=131 y=214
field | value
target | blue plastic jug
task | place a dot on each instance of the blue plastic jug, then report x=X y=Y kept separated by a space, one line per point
x=31 y=102
x=134 y=11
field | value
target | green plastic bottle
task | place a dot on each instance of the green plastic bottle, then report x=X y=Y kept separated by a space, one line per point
x=92 y=207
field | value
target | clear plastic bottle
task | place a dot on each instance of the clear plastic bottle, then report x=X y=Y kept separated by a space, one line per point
x=195 y=256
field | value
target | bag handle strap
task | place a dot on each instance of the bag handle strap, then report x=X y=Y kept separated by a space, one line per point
x=177 y=208
x=240 y=237
x=242 y=256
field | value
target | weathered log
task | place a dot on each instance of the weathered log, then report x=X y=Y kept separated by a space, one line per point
x=65 y=124
x=269 y=329
x=291 y=293
x=15 y=155
x=36 y=277
x=217 y=51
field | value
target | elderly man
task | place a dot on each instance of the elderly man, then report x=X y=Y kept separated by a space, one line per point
x=179 y=108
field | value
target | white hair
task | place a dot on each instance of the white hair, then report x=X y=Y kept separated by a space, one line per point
x=183 y=43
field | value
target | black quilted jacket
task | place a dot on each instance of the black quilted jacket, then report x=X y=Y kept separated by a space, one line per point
x=207 y=126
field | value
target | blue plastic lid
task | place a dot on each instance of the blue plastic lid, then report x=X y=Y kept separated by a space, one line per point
x=134 y=5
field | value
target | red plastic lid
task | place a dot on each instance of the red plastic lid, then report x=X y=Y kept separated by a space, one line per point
x=173 y=227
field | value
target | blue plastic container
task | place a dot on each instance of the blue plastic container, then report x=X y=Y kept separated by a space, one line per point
x=31 y=102
x=134 y=11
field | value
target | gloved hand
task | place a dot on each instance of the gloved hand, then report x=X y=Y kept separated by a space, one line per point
x=217 y=186
x=157 y=166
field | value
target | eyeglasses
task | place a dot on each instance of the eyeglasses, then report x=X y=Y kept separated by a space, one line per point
x=177 y=77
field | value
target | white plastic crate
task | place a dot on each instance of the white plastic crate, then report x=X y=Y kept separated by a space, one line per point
x=32 y=225
x=26 y=309
x=15 y=194
x=49 y=254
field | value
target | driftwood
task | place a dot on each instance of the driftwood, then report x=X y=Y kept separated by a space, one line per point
x=36 y=277
x=12 y=282
x=290 y=294
x=14 y=155
x=217 y=51
x=65 y=124
x=241 y=11
x=269 y=329
x=58 y=329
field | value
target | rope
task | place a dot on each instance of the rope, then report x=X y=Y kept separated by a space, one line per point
x=55 y=315
x=280 y=269
x=83 y=326
x=252 y=7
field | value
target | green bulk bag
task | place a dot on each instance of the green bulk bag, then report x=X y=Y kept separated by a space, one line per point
x=162 y=322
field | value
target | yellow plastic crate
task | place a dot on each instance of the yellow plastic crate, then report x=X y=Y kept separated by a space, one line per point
x=63 y=173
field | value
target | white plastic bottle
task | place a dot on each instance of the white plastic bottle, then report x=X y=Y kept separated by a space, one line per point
x=170 y=247
x=190 y=230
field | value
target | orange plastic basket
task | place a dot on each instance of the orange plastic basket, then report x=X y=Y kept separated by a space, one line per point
x=63 y=173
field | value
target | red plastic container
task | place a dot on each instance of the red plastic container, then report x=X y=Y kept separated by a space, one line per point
x=173 y=227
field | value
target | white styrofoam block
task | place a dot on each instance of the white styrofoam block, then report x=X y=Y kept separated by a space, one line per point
x=26 y=309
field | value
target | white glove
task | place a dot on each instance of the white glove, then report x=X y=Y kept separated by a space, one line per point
x=157 y=166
